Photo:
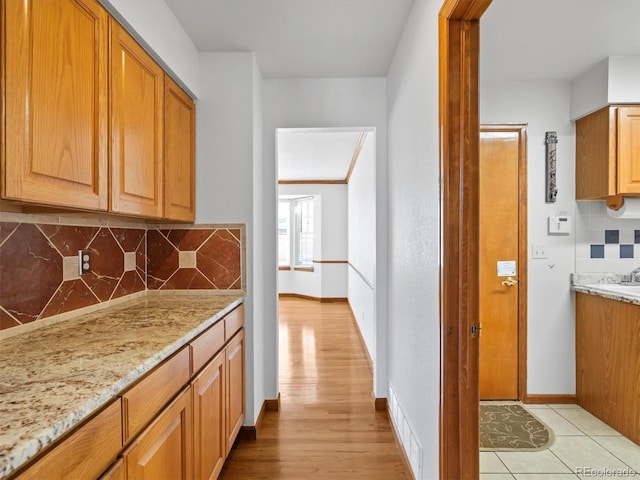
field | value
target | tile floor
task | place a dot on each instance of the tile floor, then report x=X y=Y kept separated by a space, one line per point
x=584 y=447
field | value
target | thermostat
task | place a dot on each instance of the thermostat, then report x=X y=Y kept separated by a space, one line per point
x=560 y=225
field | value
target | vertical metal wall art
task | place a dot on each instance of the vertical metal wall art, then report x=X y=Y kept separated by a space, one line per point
x=551 y=139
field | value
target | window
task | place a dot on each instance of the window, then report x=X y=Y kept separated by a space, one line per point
x=304 y=231
x=295 y=233
x=284 y=233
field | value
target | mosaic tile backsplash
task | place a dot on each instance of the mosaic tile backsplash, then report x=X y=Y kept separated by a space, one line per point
x=39 y=267
x=604 y=243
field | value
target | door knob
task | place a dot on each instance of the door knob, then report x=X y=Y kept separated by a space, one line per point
x=509 y=282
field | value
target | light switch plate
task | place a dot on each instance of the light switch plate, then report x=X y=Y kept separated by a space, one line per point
x=538 y=251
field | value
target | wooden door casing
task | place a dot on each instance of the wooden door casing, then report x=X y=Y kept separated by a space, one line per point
x=54 y=139
x=458 y=51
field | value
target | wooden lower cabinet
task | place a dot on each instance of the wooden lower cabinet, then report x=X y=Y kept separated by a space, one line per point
x=209 y=434
x=164 y=450
x=116 y=472
x=235 y=387
x=86 y=453
x=189 y=438
x=608 y=361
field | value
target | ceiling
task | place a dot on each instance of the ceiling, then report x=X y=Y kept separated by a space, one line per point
x=316 y=154
x=300 y=38
x=519 y=40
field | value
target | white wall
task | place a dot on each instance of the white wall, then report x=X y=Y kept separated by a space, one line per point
x=336 y=102
x=362 y=242
x=228 y=160
x=414 y=236
x=613 y=80
x=330 y=243
x=155 y=26
x=544 y=106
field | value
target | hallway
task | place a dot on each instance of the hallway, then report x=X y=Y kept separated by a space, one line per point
x=327 y=427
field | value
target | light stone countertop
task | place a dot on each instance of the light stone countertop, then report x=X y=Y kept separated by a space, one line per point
x=607 y=286
x=54 y=377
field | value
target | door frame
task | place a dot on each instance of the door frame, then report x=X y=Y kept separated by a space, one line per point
x=521 y=130
x=459 y=48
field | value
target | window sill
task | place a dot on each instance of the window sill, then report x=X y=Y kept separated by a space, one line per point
x=303 y=269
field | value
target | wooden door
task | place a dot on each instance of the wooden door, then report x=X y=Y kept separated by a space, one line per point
x=137 y=109
x=629 y=150
x=55 y=100
x=235 y=387
x=502 y=214
x=209 y=419
x=179 y=154
x=164 y=450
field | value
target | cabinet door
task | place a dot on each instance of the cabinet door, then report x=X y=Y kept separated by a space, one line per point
x=55 y=98
x=179 y=153
x=629 y=150
x=137 y=98
x=596 y=155
x=235 y=387
x=209 y=419
x=164 y=449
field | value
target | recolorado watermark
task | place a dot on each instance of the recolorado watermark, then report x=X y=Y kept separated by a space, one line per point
x=599 y=472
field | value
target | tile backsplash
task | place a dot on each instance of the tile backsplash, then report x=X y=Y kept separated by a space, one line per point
x=604 y=243
x=39 y=266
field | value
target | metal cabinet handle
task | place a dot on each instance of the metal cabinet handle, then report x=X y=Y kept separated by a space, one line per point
x=509 y=282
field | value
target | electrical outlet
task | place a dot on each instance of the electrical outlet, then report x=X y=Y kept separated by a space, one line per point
x=84 y=262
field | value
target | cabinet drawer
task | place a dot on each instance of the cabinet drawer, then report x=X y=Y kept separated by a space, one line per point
x=206 y=346
x=233 y=321
x=147 y=398
x=86 y=453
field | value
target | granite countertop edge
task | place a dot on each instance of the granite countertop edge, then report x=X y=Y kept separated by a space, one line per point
x=606 y=285
x=14 y=457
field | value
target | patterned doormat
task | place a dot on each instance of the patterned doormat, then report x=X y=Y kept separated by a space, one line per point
x=510 y=427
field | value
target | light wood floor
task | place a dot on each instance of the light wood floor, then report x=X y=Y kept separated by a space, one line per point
x=327 y=427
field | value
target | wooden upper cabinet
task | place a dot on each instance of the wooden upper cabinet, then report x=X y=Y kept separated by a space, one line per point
x=629 y=150
x=179 y=153
x=54 y=142
x=608 y=153
x=137 y=111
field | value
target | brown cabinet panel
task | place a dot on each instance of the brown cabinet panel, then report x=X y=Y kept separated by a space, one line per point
x=55 y=97
x=137 y=110
x=179 y=154
x=164 y=450
x=233 y=322
x=629 y=150
x=235 y=387
x=608 y=153
x=147 y=398
x=608 y=361
x=86 y=453
x=115 y=472
x=209 y=419
x=206 y=346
